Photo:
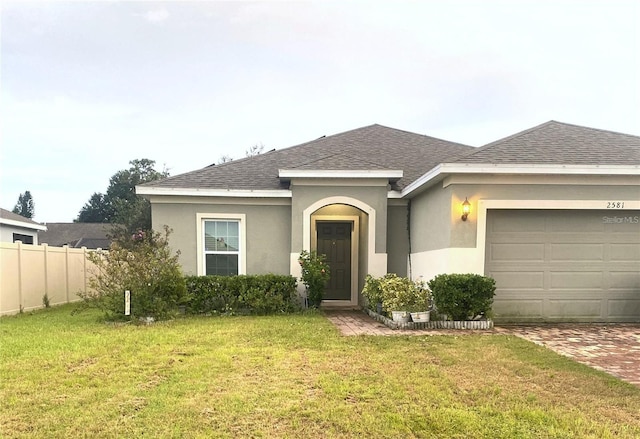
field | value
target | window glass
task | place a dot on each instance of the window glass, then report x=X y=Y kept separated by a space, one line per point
x=221 y=247
x=25 y=239
x=221 y=265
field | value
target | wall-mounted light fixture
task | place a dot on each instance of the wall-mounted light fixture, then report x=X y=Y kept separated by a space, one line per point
x=466 y=208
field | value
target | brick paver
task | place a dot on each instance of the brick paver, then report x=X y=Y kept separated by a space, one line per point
x=612 y=348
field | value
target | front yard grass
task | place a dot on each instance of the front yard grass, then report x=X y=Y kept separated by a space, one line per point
x=64 y=375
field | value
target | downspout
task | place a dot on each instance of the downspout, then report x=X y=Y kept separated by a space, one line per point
x=409 y=235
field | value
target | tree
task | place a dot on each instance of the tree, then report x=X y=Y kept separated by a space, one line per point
x=120 y=205
x=96 y=210
x=25 y=206
x=224 y=159
x=254 y=150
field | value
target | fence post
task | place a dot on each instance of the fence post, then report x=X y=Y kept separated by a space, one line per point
x=19 y=274
x=45 y=248
x=84 y=268
x=66 y=266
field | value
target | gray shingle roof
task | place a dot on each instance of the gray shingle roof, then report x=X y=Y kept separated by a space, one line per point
x=560 y=143
x=371 y=147
x=90 y=235
x=8 y=215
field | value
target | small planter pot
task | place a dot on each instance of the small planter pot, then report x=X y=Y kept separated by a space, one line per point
x=421 y=316
x=400 y=316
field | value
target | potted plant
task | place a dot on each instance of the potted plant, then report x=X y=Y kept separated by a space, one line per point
x=315 y=274
x=401 y=297
x=420 y=307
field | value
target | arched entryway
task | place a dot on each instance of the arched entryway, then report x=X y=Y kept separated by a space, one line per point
x=343 y=228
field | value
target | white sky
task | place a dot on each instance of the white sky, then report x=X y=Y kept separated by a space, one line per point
x=85 y=87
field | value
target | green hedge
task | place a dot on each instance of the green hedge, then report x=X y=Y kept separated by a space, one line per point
x=258 y=294
x=463 y=296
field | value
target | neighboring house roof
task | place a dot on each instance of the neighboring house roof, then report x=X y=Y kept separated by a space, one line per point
x=373 y=147
x=13 y=219
x=89 y=235
x=561 y=144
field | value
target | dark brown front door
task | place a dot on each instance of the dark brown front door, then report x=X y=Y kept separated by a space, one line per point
x=334 y=240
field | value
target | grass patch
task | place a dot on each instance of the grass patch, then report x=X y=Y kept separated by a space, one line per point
x=291 y=376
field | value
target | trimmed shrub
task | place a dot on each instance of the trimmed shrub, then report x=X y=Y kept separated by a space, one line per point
x=256 y=294
x=396 y=294
x=463 y=296
x=372 y=292
x=403 y=294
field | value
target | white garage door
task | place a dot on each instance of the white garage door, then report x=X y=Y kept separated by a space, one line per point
x=564 y=265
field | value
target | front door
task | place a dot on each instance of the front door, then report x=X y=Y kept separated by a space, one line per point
x=334 y=240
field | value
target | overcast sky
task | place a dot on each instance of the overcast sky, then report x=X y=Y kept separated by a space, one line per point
x=88 y=86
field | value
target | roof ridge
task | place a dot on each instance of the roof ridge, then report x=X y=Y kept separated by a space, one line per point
x=533 y=129
x=504 y=139
x=336 y=154
x=595 y=129
x=422 y=135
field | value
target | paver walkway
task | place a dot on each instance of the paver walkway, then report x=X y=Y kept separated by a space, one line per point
x=612 y=348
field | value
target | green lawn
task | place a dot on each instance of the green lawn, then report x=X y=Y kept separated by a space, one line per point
x=64 y=375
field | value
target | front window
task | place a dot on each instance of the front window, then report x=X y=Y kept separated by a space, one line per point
x=221 y=247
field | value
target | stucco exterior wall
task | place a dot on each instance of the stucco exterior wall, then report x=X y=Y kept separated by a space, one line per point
x=267 y=228
x=306 y=195
x=443 y=243
x=431 y=219
x=397 y=240
x=464 y=234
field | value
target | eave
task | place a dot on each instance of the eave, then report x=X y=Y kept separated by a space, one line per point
x=439 y=172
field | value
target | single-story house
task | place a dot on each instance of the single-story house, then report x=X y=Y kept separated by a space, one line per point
x=14 y=227
x=76 y=235
x=553 y=216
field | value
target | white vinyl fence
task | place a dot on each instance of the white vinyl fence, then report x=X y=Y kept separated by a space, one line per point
x=28 y=272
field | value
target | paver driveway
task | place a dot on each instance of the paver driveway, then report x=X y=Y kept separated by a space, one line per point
x=613 y=348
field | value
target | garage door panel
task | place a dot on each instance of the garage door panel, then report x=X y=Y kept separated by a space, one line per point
x=592 y=280
x=568 y=221
x=622 y=223
x=576 y=252
x=575 y=308
x=511 y=221
x=521 y=280
x=623 y=309
x=625 y=279
x=573 y=265
x=518 y=308
x=517 y=252
x=625 y=252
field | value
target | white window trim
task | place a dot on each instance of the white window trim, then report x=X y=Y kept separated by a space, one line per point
x=242 y=224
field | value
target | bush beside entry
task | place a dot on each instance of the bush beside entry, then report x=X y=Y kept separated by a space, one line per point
x=315 y=275
x=463 y=296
